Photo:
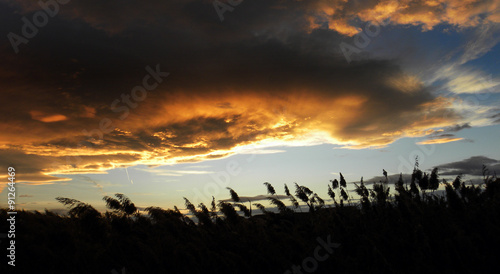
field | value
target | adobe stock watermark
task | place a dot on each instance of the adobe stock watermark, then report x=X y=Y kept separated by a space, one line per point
x=221 y=7
x=422 y=152
x=321 y=253
x=363 y=38
x=40 y=19
x=11 y=250
x=221 y=180
x=123 y=105
x=426 y=150
x=474 y=99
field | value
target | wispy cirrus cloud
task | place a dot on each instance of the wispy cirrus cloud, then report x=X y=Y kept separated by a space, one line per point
x=439 y=141
x=445 y=135
x=256 y=198
x=174 y=173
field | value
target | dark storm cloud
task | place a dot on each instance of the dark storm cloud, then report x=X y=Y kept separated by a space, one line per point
x=257 y=198
x=470 y=166
x=391 y=179
x=456 y=128
x=446 y=134
x=496 y=118
x=227 y=82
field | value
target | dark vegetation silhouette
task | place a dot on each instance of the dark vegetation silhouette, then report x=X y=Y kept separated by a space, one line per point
x=411 y=231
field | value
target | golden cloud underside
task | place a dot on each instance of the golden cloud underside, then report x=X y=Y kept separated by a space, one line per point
x=223 y=95
x=179 y=128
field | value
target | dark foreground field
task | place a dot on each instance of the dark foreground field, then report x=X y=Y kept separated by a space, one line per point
x=409 y=232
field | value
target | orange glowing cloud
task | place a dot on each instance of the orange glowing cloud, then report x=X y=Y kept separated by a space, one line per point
x=47 y=118
x=180 y=128
x=425 y=13
x=250 y=86
x=439 y=141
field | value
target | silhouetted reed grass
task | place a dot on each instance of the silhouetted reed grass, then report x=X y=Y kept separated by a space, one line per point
x=412 y=231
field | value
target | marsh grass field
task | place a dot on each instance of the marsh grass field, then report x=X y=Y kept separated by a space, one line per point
x=412 y=231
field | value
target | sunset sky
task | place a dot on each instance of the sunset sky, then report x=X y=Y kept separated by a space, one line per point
x=165 y=99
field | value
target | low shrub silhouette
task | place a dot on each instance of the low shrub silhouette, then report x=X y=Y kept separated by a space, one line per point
x=412 y=231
